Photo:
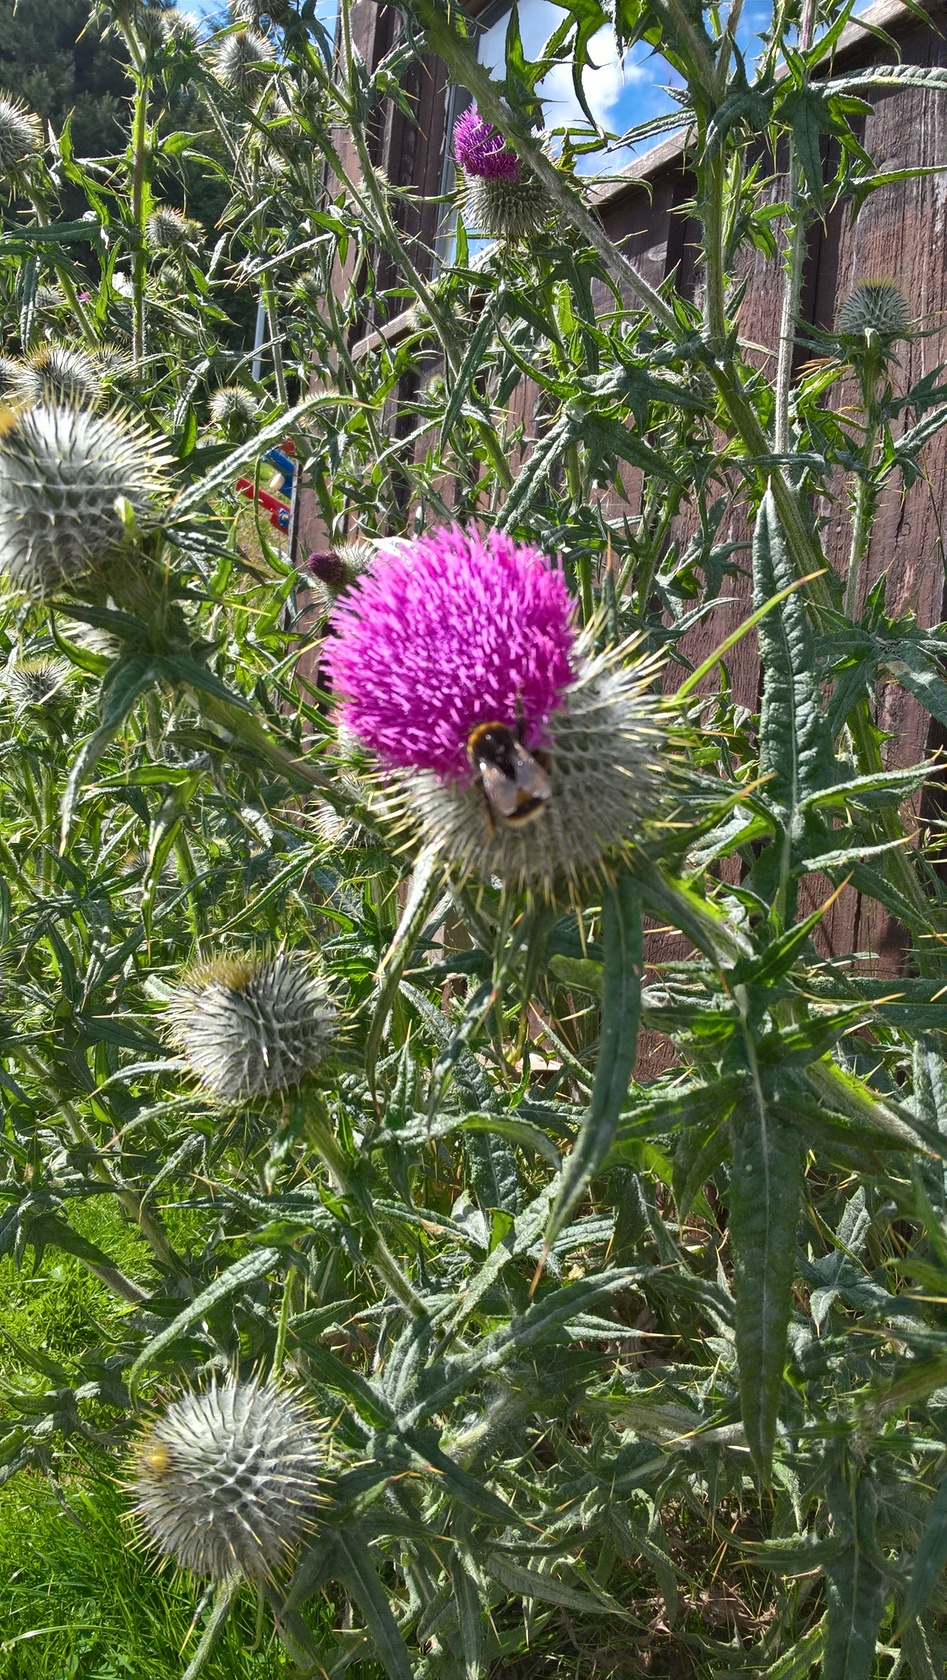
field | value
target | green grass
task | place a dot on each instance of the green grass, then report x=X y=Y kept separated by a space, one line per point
x=78 y=1603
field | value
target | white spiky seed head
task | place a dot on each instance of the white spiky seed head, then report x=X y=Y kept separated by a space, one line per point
x=605 y=763
x=60 y=373
x=251 y=1025
x=21 y=134
x=37 y=680
x=510 y=210
x=226 y=1480
x=240 y=58
x=63 y=474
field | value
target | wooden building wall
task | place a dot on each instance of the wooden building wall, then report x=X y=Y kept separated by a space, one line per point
x=900 y=235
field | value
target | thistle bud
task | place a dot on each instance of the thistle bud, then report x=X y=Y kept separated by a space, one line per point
x=249 y=1026
x=259 y=12
x=37 y=680
x=60 y=374
x=875 y=307
x=233 y=411
x=226 y=1481
x=62 y=472
x=167 y=230
x=21 y=135
x=240 y=60
x=334 y=569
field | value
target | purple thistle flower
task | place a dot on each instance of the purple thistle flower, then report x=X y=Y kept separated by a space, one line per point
x=447 y=632
x=481 y=149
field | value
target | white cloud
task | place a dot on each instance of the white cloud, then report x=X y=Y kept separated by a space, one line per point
x=605 y=83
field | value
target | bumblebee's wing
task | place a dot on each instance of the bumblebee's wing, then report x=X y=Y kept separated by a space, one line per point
x=530 y=777
x=502 y=792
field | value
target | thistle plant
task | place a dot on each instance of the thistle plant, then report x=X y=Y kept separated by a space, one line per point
x=488 y=972
x=226 y=1480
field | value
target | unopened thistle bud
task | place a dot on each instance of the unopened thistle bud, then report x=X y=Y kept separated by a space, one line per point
x=241 y=59
x=251 y=1025
x=167 y=230
x=60 y=374
x=875 y=307
x=523 y=757
x=63 y=475
x=233 y=411
x=226 y=1481
x=21 y=135
x=257 y=12
x=37 y=680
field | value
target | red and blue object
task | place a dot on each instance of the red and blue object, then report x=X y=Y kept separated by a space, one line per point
x=277 y=510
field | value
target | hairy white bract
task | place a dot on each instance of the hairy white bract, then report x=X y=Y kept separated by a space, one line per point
x=604 y=762
x=504 y=209
x=62 y=471
x=251 y=1025
x=226 y=1480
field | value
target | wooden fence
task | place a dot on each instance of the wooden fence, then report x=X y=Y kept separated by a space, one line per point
x=900 y=235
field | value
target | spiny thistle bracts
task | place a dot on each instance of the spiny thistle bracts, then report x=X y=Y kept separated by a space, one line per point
x=37 y=680
x=49 y=300
x=481 y=149
x=240 y=59
x=334 y=569
x=257 y=12
x=226 y=1481
x=21 y=135
x=60 y=373
x=444 y=633
x=62 y=472
x=504 y=209
x=875 y=307
x=234 y=411
x=167 y=230
x=604 y=760
x=251 y=1025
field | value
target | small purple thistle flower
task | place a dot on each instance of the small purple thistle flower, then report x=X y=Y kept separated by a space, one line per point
x=481 y=149
x=447 y=632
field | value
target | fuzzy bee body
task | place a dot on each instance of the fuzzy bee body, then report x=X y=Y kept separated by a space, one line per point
x=515 y=785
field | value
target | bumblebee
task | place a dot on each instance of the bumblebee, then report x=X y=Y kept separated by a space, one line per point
x=514 y=782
